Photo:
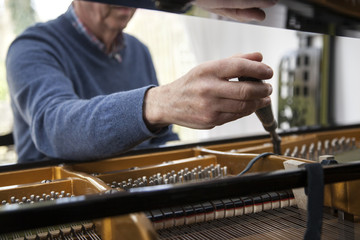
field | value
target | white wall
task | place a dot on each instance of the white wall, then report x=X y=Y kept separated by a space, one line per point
x=47 y=10
x=347 y=80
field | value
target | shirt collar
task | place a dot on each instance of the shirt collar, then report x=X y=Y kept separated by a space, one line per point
x=82 y=29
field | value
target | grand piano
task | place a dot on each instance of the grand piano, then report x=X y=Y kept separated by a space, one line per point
x=229 y=188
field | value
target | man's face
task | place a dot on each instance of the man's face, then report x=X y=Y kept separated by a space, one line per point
x=106 y=16
x=115 y=17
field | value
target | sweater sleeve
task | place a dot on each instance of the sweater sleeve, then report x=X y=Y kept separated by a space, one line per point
x=61 y=124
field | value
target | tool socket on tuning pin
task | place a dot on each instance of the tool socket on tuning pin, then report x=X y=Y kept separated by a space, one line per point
x=267 y=119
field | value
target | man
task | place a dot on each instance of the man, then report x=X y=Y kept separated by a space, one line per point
x=82 y=89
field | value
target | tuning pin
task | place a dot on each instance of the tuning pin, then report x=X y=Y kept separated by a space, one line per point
x=295 y=152
x=353 y=143
x=319 y=149
x=311 y=151
x=225 y=171
x=303 y=151
x=287 y=152
x=327 y=146
x=347 y=144
x=335 y=145
x=342 y=146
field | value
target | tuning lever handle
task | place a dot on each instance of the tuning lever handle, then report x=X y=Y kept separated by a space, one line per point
x=267 y=119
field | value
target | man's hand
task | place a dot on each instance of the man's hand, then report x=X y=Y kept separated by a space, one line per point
x=240 y=10
x=204 y=98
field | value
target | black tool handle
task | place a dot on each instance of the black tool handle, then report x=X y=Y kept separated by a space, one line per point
x=267 y=119
x=265 y=114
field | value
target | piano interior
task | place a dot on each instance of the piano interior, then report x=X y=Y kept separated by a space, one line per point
x=271 y=215
x=30 y=194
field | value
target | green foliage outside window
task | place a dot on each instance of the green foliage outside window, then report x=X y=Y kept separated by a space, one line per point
x=3 y=84
x=22 y=14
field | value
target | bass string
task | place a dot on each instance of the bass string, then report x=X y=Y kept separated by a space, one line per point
x=282 y=223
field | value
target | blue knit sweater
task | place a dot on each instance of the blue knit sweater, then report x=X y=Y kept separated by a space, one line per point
x=72 y=101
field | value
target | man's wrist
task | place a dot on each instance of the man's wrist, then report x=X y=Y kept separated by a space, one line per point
x=152 y=112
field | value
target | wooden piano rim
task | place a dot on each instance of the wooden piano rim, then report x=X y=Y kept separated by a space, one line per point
x=47 y=162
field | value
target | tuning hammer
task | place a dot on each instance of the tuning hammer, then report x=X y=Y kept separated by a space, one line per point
x=268 y=121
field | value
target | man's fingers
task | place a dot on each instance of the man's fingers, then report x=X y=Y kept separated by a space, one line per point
x=255 y=56
x=241 y=107
x=240 y=67
x=239 y=4
x=231 y=111
x=204 y=98
x=242 y=15
x=244 y=91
